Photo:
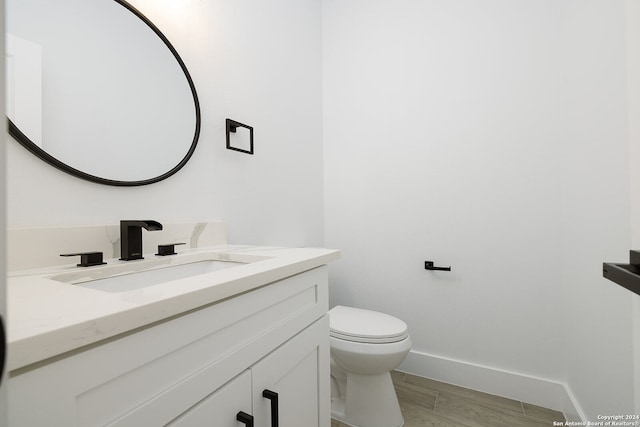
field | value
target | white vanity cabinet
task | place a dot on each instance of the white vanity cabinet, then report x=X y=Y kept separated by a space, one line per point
x=295 y=372
x=290 y=378
x=200 y=368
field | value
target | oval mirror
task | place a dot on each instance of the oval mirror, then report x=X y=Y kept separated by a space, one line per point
x=96 y=90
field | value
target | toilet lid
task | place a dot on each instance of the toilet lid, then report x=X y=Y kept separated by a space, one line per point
x=366 y=326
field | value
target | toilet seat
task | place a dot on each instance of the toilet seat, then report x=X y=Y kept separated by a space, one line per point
x=365 y=326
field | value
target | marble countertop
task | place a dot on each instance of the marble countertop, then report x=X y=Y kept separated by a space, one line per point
x=47 y=317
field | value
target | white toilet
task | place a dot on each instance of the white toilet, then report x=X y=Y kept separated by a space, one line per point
x=365 y=347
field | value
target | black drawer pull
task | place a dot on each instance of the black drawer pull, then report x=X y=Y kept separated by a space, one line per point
x=273 y=397
x=245 y=419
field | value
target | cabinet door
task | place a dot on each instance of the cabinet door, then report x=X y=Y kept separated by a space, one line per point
x=291 y=384
x=220 y=408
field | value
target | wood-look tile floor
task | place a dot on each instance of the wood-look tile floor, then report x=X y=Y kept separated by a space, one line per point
x=426 y=402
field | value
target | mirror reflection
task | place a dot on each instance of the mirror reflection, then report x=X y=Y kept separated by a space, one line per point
x=91 y=85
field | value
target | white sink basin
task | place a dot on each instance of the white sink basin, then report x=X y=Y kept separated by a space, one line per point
x=137 y=275
x=142 y=279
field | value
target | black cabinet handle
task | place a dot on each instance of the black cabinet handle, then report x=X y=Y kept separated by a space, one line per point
x=245 y=419
x=273 y=397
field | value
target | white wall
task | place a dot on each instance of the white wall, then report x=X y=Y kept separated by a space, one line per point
x=632 y=12
x=246 y=66
x=439 y=145
x=595 y=209
x=490 y=136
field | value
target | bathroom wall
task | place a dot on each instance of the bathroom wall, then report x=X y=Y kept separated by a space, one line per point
x=490 y=136
x=632 y=13
x=595 y=210
x=246 y=66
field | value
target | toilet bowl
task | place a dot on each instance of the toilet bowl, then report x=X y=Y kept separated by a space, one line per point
x=365 y=347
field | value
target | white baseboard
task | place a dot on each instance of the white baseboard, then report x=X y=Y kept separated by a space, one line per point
x=525 y=388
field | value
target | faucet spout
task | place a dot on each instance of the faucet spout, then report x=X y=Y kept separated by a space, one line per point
x=147 y=224
x=131 y=237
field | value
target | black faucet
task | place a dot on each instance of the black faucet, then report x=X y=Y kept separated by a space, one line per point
x=131 y=237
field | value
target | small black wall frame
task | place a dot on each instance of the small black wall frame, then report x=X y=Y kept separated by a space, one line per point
x=232 y=125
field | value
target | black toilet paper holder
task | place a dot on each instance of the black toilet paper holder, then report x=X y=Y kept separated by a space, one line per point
x=428 y=265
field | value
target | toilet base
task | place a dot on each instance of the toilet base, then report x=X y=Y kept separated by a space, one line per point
x=370 y=401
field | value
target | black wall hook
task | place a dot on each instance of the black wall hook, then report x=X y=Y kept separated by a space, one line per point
x=428 y=265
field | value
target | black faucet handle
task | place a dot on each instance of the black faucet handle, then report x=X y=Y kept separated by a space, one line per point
x=168 y=249
x=88 y=259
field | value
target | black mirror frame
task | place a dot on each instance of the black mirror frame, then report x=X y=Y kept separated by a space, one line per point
x=39 y=152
